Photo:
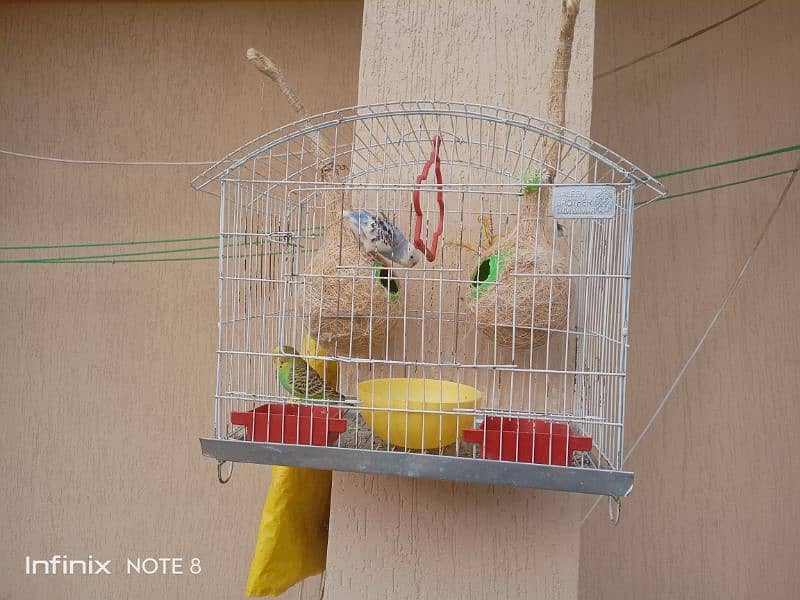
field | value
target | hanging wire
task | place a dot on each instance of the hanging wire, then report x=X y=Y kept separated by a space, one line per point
x=713 y=187
x=714 y=319
x=125 y=257
x=104 y=256
x=122 y=163
x=137 y=260
x=676 y=43
x=721 y=163
x=101 y=244
x=122 y=258
x=728 y=162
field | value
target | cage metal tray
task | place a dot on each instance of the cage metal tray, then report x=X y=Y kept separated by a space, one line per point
x=427 y=466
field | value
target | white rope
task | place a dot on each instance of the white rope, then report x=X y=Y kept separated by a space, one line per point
x=731 y=291
x=143 y=163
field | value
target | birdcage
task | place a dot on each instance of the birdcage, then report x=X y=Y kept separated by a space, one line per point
x=498 y=357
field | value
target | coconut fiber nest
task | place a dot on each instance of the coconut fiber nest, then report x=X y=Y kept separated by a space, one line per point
x=349 y=302
x=518 y=295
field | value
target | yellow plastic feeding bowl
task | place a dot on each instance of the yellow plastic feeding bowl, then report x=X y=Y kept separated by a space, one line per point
x=416 y=413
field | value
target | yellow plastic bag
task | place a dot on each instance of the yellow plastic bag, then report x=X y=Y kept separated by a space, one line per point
x=293 y=535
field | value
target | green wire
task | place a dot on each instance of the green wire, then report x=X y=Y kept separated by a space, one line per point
x=100 y=244
x=115 y=257
x=727 y=162
x=99 y=256
x=131 y=243
x=715 y=187
x=124 y=257
x=90 y=261
x=113 y=261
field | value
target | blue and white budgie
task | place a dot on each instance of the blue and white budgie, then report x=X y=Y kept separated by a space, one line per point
x=381 y=239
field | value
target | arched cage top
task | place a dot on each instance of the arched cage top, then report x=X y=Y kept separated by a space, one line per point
x=386 y=143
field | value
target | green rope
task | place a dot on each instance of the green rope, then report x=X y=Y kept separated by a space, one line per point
x=125 y=257
x=154 y=260
x=714 y=187
x=727 y=162
x=99 y=256
x=51 y=261
x=131 y=243
x=101 y=244
x=110 y=259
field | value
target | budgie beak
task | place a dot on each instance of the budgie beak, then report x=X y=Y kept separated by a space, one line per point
x=414 y=255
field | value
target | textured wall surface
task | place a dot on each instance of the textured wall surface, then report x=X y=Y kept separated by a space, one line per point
x=492 y=52
x=403 y=538
x=107 y=371
x=713 y=513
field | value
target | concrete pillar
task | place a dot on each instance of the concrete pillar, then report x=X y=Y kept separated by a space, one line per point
x=404 y=538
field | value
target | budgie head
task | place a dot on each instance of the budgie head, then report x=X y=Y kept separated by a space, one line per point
x=282 y=360
x=407 y=255
x=381 y=239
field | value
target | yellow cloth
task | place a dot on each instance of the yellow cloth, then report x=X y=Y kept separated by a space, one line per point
x=293 y=535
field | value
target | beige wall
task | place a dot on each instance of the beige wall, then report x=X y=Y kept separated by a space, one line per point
x=404 y=538
x=107 y=371
x=714 y=510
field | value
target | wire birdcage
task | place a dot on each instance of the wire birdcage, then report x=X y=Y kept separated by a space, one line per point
x=499 y=358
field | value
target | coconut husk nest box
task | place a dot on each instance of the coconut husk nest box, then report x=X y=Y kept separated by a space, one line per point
x=350 y=303
x=520 y=294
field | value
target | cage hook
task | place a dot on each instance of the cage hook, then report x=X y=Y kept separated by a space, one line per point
x=614 y=509
x=219 y=472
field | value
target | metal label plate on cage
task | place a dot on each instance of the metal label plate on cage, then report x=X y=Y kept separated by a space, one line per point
x=583 y=201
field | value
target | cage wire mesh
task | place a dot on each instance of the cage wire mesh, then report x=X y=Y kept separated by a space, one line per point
x=510 y=344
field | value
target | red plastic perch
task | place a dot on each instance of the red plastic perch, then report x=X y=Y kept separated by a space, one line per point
x=292 y=424
x=527 y=440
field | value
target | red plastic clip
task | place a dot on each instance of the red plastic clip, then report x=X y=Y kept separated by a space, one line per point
x=430 y=252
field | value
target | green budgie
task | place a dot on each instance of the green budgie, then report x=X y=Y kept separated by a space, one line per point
x=300 y=380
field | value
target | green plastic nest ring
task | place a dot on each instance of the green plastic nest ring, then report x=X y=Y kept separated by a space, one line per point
x=487 y=273
x=387 y=282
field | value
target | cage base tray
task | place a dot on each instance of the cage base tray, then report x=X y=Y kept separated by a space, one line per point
x=426 y=466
